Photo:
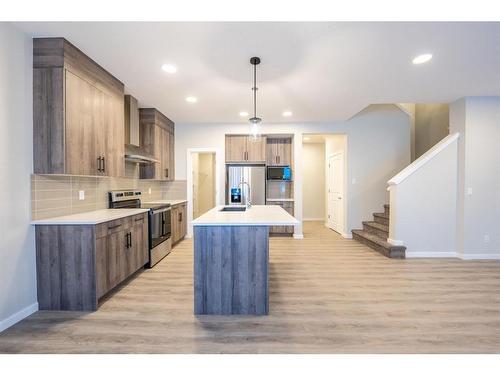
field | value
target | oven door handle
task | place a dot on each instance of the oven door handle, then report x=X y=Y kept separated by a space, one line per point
x=159 y=211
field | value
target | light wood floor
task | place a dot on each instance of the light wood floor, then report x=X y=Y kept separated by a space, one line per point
x=327 y=295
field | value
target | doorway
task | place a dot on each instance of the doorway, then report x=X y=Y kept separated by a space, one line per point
x=335 y=192
x=324 y=180
x=203 y=177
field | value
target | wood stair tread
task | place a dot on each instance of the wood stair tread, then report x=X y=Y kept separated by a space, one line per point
x=379 y=244
x=381 y=214
x=374 y=224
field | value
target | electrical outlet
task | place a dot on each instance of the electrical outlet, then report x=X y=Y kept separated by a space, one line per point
x=149 y=191
x=486 y=238
x=81 y=195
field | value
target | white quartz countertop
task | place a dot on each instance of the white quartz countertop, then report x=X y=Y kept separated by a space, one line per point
x=91 y=217
x=172 y=202
x=256 y=215
x=279 y=199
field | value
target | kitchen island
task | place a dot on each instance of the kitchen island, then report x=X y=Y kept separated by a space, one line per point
x=231 y=259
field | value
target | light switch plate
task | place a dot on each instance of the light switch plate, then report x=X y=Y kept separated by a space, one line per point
x=81 y=195
x=469 y=191
x=149 y=191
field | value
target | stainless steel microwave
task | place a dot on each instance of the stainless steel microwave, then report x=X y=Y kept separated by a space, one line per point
x=279 y=173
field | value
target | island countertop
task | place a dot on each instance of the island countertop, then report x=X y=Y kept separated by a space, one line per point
x=259 y=215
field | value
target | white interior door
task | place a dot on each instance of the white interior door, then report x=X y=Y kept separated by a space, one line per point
x=336 y=192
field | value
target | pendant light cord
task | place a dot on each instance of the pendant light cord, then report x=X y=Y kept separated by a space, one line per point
x=255 y=91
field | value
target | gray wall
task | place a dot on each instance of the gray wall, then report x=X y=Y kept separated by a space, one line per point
x=17 y=251
x=431 y=125
x=478 y=205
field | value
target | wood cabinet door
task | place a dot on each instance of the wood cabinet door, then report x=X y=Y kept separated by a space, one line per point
x=284 y=151
x=114 y=147
x=182 y=220
x=138 y=252
x=256 y=150
x=81 y=100
x=174 y=214
x=165 y=145
x=279 y=151
x=236 y=148
x=171 y=150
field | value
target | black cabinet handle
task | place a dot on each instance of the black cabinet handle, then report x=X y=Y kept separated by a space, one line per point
x=180 y=216
x=166 y=172
x=98 y=164
x=128 y=239
x=115 y=226
x=103 y=164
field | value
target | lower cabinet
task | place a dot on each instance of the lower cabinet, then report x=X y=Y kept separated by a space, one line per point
x=78 y=264
x=282 y=229
x=179 y=222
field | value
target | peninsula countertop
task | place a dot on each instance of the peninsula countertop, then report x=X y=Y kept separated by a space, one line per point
x=91 y=217
x=255 y=216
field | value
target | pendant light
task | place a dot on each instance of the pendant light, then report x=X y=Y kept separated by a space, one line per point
x=255 y=121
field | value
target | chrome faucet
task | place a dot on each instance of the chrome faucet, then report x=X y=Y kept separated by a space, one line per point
x=248 y=200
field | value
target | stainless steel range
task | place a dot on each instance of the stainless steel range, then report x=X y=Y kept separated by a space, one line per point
x=160 y=243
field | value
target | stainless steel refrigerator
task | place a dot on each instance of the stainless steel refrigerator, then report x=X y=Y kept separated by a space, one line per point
x=253 y=175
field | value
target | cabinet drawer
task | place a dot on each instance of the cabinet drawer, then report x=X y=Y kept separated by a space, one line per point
x=110 y=227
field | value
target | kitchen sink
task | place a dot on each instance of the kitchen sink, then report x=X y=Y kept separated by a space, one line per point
x=234 y=208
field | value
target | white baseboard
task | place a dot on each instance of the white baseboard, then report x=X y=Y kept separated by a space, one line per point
x=347 y=235
x=479 y=256
x=395 y=242
x=431 y=254
x=18 y=316
x=298 y=236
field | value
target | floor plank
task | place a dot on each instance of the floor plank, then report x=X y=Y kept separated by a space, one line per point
x=327 y=295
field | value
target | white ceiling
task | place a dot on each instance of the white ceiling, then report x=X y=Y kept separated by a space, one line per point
x=319 y=71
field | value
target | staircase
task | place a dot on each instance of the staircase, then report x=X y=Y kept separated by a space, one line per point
x=374 y=234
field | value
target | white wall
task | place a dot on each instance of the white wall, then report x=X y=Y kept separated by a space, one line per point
x=313 y=167
x=17 y=251
x=378 y=147
x=431 y=125
x=478 y=120
x=423 y=204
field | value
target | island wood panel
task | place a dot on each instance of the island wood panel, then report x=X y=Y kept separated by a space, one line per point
x=231 y=270
x=327 y=295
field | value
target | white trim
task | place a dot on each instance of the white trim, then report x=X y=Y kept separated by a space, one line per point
x=298 y=236
x=18 y=316
x=424 y=159
x=189 y=184
x=395 y=242
x=431 y=254
x=472 y=256
x=347 y=235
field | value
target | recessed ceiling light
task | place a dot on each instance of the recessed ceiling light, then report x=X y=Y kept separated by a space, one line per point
x=169 y=68
x=191 y=99
x=287 y=113
x=420 y=59
x=243 y=114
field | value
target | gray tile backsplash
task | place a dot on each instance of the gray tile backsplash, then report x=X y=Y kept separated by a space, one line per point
x=59 y=195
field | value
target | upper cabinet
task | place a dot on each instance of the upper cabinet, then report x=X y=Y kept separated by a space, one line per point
x=244 y=149
x=158 y=139
x=279 y=151
x=78 y=113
